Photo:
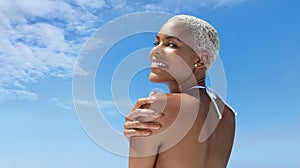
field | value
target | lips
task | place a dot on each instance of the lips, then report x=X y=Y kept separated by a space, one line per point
x=158 y=64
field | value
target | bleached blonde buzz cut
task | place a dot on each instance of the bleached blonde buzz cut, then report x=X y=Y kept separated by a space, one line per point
x=205 y=36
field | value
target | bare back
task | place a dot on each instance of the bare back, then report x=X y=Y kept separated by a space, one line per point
x=178 y=145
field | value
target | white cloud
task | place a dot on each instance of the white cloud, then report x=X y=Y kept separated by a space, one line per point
x=41 y=38
x=61 y=103
x=35 y=8
x=78 y=70
x=107 y=107
x=86 y=103
x=92 y=4
x=187 y=6
x=11 y=94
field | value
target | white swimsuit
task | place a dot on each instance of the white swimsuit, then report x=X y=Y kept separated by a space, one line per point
x=210 y=122
x=213 y=96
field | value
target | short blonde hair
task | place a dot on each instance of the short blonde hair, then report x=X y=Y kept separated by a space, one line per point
x=205 y=37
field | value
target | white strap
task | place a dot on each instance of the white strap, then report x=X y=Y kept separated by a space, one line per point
x=213 y=96
x=207 y=129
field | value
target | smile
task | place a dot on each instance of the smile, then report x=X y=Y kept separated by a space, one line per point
x=158 y=64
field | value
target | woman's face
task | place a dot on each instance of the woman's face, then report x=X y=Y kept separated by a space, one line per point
x=172 y=58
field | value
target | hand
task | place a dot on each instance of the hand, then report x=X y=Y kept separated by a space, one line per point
x=138 y=121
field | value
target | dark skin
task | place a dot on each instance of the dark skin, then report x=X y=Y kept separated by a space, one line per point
x=164 y=129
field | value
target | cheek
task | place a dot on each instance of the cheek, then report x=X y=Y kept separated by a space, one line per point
x=181 y=62
x=182 y=65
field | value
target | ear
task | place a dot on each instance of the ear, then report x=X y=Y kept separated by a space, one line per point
x=202 y=57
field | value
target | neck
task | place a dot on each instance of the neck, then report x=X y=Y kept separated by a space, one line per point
x=174 y=87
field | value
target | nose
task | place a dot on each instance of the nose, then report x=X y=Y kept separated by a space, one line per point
x=157 y=50
x=155 y=53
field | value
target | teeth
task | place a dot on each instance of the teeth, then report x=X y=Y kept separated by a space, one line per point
x=159 y=64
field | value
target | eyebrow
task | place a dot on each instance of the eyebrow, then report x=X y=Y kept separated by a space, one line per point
x=169 y=37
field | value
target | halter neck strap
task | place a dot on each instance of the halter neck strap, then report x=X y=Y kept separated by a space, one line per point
x=213 y=96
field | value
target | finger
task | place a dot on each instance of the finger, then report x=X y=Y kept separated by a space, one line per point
x=142 y=101
x=142 y=125
x=152 y=93
x=137 y=133
x=137 y=113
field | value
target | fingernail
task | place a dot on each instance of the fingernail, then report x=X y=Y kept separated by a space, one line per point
x=148 y=132
x=156 y=113
x=152 y=93
x=152 y=99
x=157 y=126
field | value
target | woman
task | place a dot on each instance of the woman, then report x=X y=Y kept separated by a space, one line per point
x=191 y=127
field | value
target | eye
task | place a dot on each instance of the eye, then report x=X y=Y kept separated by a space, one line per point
x=172 y=45
x=156 y=43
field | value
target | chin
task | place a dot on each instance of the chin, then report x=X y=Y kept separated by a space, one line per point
x=155 y=78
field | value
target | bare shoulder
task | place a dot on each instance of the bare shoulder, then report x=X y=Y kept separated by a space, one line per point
x=180 y=113
x=174 y=105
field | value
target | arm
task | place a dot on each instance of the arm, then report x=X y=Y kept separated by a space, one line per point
x=143 y=150
x=139 y=122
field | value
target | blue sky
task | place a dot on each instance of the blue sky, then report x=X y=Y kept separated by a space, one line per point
x=39 y=44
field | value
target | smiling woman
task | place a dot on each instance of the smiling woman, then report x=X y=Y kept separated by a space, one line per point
x=192 y=126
